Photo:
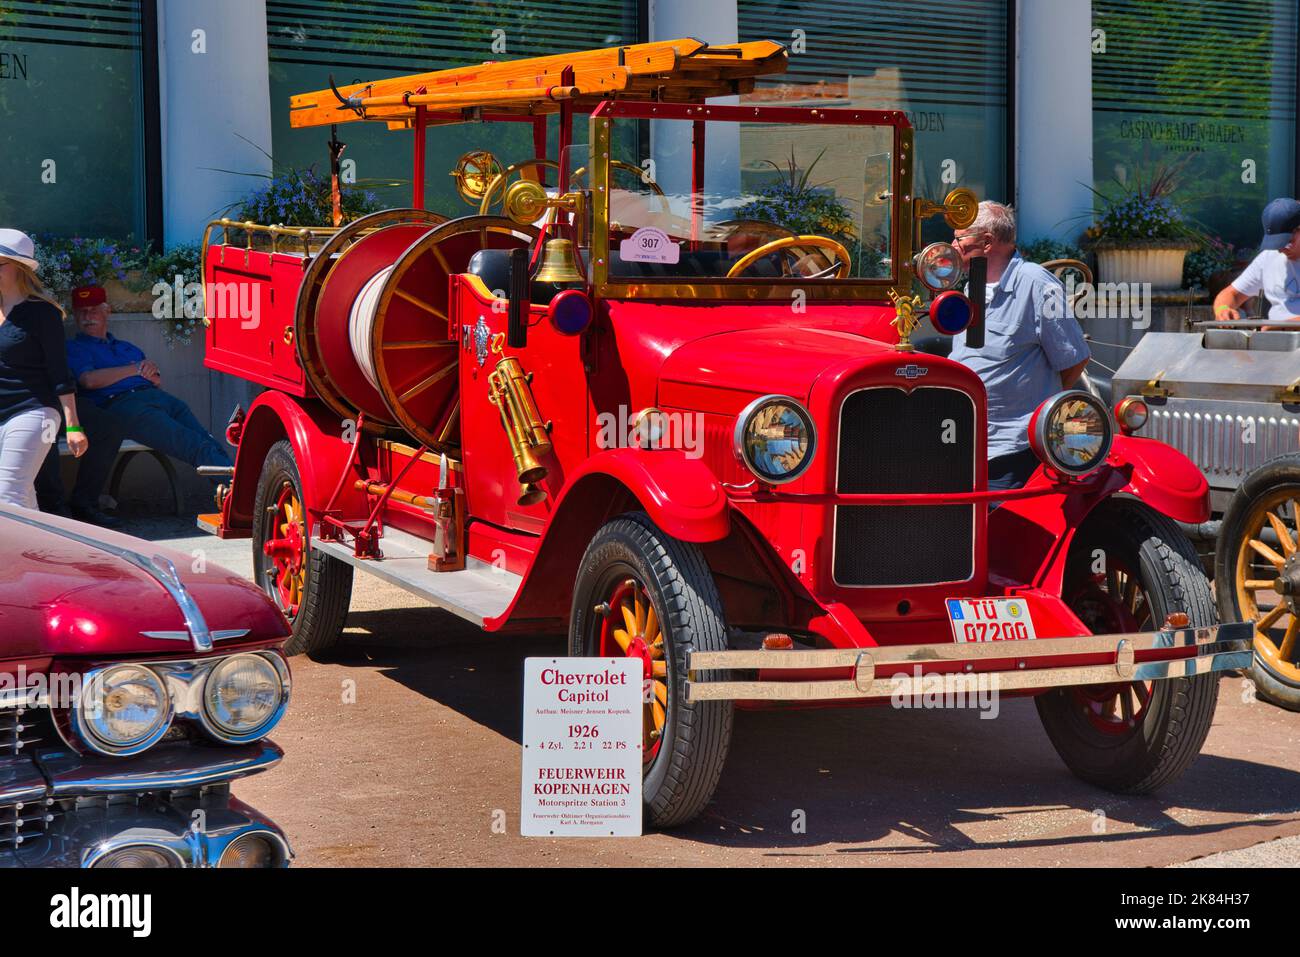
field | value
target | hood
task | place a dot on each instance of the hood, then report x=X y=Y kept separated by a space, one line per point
x=65 y=591
x=722 y=372
x=707 y=356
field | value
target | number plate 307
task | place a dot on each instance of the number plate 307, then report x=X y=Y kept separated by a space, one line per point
x=990 y=619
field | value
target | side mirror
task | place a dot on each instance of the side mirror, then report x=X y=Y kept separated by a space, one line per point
x=520 y=290
x=979 y=271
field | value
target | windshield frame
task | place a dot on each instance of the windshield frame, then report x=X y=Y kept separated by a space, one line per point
x=901 y=216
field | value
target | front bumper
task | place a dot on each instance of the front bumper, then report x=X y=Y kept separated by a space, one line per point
x=75 y=811
x=887 y=671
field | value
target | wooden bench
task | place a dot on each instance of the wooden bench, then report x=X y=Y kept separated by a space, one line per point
x=129 y=450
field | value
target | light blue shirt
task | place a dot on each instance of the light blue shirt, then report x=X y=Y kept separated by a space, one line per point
x=1030 y=337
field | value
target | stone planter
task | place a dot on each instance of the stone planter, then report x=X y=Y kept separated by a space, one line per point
x=123 y=299
x=1161 y=266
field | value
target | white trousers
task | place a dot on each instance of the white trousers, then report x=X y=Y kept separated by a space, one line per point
x=24 y=442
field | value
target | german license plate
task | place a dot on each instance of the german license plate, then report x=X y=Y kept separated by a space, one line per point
x=990 y=619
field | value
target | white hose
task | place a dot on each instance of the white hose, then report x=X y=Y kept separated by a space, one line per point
x=362 y=320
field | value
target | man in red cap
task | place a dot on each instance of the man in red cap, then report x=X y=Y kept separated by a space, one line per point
x=106 y=436
x=125 y=387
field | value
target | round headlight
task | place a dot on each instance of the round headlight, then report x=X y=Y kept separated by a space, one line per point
x=123 y=710
x=1071 y=432
x=258 y=849
x=938 y=265
x=775 y=438
x=244 y=697
x=137 y=855
x=1131 y=414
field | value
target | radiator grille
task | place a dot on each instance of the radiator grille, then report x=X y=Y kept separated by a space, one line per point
x=896 y=441
x=1217 y=441
x=919 y=442
x=21 y=730
x=26 y=820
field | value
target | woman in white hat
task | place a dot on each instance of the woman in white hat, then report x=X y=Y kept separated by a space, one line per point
x=34 y=376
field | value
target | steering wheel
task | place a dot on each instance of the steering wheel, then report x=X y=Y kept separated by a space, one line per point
x=841 y=267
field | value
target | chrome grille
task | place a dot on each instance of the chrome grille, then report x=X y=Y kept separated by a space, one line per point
x=21 y=729
x=1214 y=438
x=25 y=820
x=920 y=442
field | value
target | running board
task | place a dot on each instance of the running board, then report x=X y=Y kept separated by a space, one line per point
x=479 y=592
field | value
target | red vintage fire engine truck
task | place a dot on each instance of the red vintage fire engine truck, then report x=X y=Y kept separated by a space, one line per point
x=637 y=398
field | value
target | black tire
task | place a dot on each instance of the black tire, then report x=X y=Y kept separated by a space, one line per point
x=327 y=582
x=681 y=779
x=1280 y=477
x=1140 y=753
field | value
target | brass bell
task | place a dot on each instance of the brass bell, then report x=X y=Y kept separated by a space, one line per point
x=559 y=263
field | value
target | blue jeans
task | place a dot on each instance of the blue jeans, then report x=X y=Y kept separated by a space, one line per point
x=164 y=422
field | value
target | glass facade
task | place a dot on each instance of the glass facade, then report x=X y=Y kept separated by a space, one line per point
x=945 y=65
x=1207 y=89
x=71 y=127
x=358 y=41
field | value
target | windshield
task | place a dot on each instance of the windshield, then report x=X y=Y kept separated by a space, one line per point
x=767 y=201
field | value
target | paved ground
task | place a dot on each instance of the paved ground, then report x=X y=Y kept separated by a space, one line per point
x=403 y=750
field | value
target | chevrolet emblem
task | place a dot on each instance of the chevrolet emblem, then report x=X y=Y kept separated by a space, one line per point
x=911 y=371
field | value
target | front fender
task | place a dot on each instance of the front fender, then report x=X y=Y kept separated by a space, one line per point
x=318 y=449
x=1030 y=538
x=1163 y=478
x=680 y=494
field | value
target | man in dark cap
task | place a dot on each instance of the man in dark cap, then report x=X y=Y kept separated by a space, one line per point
x=125 y=388
x=1275 y=272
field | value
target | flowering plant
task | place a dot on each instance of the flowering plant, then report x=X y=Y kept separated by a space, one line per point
x=301 y=197
x=1142 y=213
x=81 y=261
x=800 y=207
x=1213 y=256
x=182 y=264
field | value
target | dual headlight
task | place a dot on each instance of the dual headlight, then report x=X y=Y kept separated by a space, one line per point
x=775 y=438
x=1072 y=432
x=125 y=709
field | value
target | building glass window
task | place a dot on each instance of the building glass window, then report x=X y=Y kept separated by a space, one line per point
x=944 y=65
x=71 y=126
x=1207 y=89
x=361 y=41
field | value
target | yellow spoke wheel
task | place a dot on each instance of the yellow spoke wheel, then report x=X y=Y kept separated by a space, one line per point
x=644 y=595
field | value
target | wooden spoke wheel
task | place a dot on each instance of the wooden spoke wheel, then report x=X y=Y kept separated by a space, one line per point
x=1129 y=569
x=311 y=589
x=415 y=357
x=1109 y=602
x=629 y=626
x=1257 y=574
x=643 y=594
x=409 y=225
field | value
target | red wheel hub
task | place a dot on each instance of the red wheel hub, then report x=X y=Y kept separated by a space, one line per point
x=1113 y=602
x=286 y=546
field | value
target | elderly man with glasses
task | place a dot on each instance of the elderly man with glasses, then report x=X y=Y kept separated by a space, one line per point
x=1033 y=348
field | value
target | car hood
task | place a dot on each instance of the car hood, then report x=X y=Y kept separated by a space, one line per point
x=722 y=372
x=67 y=590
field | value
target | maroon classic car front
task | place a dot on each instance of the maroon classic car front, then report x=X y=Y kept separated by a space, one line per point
x=133 y=690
